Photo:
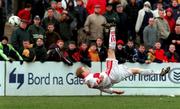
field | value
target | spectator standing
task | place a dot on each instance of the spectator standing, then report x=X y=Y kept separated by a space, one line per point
x=39 y=7
x=59 y=7
x=19 y=35
x=50 y=19
x=25 y=13
x=163 y=29
x=122 y=27
x=64 y=27
x=54 y=11
x=74 y=15
x=93 y=25
x=159 y=6
x=176 y=9
x=91 y=3
x=150 y=34
x=51 y=36
x=132 y=12
x=36 y=30
x=176 y=38
x=111 y=18
x=3 y=18
x=163 y=2
x=170 y=19
x=82 y=12
x=142 y=21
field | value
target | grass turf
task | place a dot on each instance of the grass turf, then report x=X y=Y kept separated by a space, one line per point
x=91 y=102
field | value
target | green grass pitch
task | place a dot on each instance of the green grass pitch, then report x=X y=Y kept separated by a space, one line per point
x=91 y=102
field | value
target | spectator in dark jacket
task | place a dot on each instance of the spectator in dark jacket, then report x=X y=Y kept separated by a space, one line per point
x=3 y=18
x=176 y=38
x=142 y=21
x=27 y=51
x=40 y=51
x=83 y=49
x=111 y=17
x=50 y=19
x=38 y=8
x=122 y=31
x=82 y=13
x=51 y=36
x=102 y=50
x=120 y=52
x=73 y=52
x=171 y=55
x=176 y=9
x=36 y=30
x=64 y=27
x=132 y=12
x=131 y=51
x=58 y=53
x=141 y=55
x=19 y=35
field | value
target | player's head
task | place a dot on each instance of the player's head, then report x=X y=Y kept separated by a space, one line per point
x=82 y=72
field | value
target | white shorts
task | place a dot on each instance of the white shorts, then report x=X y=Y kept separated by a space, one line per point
x=115 y=71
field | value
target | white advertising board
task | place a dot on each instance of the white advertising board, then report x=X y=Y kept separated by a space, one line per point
x=151 y=84
x=2 y=72
x=47 y=79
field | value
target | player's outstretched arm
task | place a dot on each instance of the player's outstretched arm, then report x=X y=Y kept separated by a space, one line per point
x=118 y=92
x=112 y=91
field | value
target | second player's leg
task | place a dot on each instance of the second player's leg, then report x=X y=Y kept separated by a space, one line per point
x=149 y=71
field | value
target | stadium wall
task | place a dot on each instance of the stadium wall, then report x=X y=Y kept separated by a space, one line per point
x=2 y=76
x=57 y=79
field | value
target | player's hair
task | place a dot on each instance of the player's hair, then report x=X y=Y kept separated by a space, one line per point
x=79 y=72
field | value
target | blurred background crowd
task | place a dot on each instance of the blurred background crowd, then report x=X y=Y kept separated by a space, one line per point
x=78 y=30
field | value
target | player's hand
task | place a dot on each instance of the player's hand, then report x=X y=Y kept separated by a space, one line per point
x=21 y=62
x=10 y=60
x=100 y=79
x=119 y=92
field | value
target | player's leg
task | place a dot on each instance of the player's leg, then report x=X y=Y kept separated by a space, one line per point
x=112 y=43
x=149 y=71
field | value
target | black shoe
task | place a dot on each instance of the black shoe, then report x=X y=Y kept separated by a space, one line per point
x=164 y=71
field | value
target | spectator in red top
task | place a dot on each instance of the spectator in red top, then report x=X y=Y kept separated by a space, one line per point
x=73 y=52
x=170 y=19
x=171 y=55
x=25 y=13
x=59 y=7
x=91 y=3
x=159 y=53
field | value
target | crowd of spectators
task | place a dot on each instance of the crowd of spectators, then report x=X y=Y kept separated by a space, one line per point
x=77 y=31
